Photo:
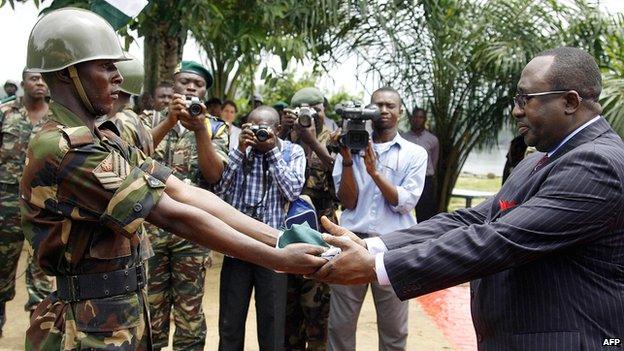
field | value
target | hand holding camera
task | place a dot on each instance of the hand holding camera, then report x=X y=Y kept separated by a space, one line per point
x=190 y=111
x=260 y=137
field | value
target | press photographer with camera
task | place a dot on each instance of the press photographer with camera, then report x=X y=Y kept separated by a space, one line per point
x=196 y=148
x=379 y=185
x=262 y=176
x=307 y=306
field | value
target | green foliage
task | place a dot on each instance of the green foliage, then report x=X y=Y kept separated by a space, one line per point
x=461 y=60
x=239 y=33
x=612 y=98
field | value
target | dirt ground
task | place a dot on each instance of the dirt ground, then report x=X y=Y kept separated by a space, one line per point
x=424 y=335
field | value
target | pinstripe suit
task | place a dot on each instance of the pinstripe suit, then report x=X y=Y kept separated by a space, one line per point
x=545 y=255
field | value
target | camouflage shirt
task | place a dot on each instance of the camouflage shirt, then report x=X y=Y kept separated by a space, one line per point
x=319 y=180
x=85 y=195
x=134 y=131
x=16 y=132
x=178 y=149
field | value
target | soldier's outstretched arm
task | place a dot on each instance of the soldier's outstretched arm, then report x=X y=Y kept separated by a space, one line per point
x=207 y=230
x=211 y=203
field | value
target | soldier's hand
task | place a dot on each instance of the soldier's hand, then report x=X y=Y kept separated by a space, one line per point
x=177 y=107
x=300 y=259
x=307 y=134
x=195 y=123
x=246 y=138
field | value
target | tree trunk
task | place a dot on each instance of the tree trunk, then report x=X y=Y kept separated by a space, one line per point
x=162 y=53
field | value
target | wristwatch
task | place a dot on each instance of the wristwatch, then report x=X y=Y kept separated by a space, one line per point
x=347 y=163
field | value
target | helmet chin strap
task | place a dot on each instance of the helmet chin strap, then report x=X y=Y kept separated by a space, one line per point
x=73 y=74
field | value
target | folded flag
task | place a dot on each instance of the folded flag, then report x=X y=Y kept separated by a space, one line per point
x=118 y=12
x=301 y=233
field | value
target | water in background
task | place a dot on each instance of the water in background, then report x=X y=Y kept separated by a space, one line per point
x=489 y=160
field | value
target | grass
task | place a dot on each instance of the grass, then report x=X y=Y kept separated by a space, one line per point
x=473 y=182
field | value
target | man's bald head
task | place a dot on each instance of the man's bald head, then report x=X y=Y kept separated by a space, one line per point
x=265 y=115
x=574 y=69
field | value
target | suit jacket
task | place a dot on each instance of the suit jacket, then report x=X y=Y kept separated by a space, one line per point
x=545 y=256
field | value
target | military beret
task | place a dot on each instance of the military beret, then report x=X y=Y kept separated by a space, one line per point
x=280 y=105
x=310 y=96
x=195 y=68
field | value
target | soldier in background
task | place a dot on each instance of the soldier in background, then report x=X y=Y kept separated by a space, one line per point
x=85 y=193
x=130 y=126
x=307 y=306
x=196 y=148
x=10 y=90
x=19 y=121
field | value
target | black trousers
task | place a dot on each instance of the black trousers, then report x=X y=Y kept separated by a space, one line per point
x=427 y=206
x=238 y=280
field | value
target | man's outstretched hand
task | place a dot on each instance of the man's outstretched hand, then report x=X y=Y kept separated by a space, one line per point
x=354 y=265
x=300 y=259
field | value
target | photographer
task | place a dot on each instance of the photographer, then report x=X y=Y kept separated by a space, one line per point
x=307 y=306
x=195 y=147
x=379 y=187
x=263 y=174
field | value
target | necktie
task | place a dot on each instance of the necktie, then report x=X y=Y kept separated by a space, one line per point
x=541 y=163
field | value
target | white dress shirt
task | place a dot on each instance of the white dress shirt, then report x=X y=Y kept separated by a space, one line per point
x=404 y=164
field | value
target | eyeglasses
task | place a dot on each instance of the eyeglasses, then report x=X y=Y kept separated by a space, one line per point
x=521 y=99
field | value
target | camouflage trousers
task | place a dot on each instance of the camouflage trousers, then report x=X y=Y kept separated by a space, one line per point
x=307 y=311
x=177 y=272
x=113 y=324
x=11 y=243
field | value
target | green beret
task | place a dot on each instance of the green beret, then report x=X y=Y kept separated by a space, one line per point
x=310 y=96
x=280 y=105
x=195 y=68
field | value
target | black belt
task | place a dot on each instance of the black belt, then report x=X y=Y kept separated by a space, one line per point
x=9 y=188
x=100 y=285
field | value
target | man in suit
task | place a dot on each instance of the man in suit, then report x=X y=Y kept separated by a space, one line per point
x=545 y=256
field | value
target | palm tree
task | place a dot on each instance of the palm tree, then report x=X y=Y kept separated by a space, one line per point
x=461 y=60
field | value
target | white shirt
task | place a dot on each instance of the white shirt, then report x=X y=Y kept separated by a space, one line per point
x=377 y=248
x=404 y=164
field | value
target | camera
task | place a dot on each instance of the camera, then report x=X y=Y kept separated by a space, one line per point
x=261 y=132
x=193 y=105
x=355 y=136
x=305 y=115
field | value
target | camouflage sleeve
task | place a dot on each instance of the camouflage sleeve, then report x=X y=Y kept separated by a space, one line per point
x=136 y=196
x=91 y=183
x=220 y=140
x=134 y=132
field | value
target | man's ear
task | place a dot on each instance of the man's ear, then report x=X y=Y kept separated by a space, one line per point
x=572 y=102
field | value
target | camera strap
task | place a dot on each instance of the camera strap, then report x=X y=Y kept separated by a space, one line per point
x=249 y=161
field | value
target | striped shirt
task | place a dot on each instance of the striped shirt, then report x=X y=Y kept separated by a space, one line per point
x=261 y=185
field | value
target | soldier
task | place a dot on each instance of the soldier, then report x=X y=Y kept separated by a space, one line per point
x=85 y=194
x=19 y=121
x=132 y=130
x=10 y=89
x=196 y=149
x=307 y=307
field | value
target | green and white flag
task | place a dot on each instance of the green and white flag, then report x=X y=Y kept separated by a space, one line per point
x=118 y=12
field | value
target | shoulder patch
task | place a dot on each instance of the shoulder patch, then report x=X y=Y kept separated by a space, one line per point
x=112 y=171
x=77 y=136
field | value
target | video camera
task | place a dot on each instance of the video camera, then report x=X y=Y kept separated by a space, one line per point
x=355 y=136
x=193 y=105
x=305 y=114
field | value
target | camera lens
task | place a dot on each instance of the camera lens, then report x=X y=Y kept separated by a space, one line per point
x=195 y=109
x=262 y=135
x=305 y=120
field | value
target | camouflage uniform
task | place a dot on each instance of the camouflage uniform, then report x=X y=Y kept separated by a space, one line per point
x=307 y=306
x=85 y=195
x=133 y=131
x=16 y=132
x=178 y=269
